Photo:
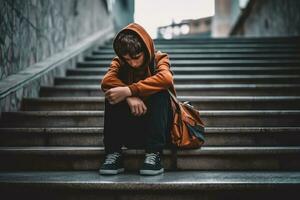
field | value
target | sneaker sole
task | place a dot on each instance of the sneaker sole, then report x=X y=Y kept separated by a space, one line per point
x=111 y=172
x=151 y=172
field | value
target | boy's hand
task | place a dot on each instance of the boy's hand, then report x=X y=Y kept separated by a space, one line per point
x=117 y=94
x=137 y=106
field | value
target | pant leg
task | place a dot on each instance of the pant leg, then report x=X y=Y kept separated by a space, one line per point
x=113 y=114
x=122 y=128
x=150 y=131
x=159 y=120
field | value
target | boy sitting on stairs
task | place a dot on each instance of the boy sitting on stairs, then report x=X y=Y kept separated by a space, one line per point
x=138 y=111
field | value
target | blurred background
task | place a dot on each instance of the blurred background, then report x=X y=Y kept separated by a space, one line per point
x=218 y=18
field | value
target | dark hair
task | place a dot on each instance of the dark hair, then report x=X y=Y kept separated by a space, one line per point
x=128 y=42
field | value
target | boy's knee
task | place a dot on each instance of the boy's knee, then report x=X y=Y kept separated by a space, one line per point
x=160 y=100
x=160 y=95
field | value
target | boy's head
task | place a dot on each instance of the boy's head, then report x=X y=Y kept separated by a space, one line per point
x=130 y=48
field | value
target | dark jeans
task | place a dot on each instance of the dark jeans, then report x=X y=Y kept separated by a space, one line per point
x=150 y=131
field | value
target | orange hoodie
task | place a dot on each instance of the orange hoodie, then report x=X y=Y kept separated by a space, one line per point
x=140 y=81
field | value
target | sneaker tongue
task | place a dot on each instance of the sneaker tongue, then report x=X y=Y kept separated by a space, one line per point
x=150 y=158
x=111 y=158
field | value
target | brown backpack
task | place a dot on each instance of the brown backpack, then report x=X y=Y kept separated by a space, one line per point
x=187 y=131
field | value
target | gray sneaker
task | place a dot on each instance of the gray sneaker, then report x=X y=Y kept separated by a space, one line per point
x=152 y=164
x=112 y=165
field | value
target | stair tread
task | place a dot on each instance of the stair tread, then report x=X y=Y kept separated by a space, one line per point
x=187 y=68
x=235 y=39
x=213 y=55
x=225 y=61
x=262 y=130
x=225 y=76
x=217 y=49
x=202 y=112
x=232 y=45
x=180 y=180
x=210 y=150
x=54 y=130
x=186 y=86
x=191 y=98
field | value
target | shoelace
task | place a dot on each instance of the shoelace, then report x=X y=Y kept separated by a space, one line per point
x=150 y=158
x=111 y=158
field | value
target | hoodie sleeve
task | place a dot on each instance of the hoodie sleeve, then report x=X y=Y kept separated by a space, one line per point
x=110 y=79
x=163 y=79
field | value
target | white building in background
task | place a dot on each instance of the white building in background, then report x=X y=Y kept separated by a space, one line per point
x=186 y=28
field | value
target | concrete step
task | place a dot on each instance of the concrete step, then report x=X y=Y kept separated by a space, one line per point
x=51 y=136
x=215 y=136
x=209 y=63
x=213 y=50
x=211 y=56
x=217 y=46
x=206 y=158
x=192 y=79
x=230 y=40
x=224 y=41
x=96 y=71
x=189 y=185
x=185 y=89
x=214 y=118
x=199 y=102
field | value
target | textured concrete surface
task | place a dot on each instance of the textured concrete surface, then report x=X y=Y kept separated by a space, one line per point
x=89 y=185
x=268 y=18
x=27 y=82
x=169 y=180
x=34 y=30
x=45 y=158
x=273 y=18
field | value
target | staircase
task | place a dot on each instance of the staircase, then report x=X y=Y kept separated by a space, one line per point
x=248 y=94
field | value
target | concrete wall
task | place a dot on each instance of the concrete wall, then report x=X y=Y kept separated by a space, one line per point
x=256 y=18
x=122 y=12
x=226 y=15
x=273 y=18
x=32 y=30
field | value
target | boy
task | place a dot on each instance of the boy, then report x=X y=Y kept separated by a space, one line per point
x=138 y=110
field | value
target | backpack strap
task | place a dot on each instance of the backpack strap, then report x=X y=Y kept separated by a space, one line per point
x=152 y=66
x=152 y=71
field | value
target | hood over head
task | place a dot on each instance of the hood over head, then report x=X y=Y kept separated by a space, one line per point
x=144 y=36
